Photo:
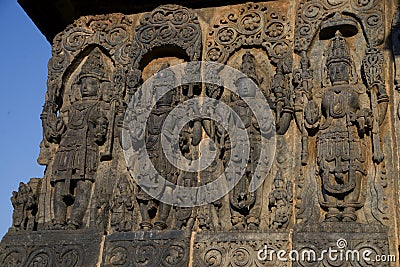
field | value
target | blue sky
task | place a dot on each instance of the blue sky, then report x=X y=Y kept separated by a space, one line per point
x=24 y=56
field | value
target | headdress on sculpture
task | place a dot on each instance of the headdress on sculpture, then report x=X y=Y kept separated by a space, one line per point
x=278 y=177
x=165 y=76
x=94 y=66
x=248 y=66
x=338 y=51
x=163 y=81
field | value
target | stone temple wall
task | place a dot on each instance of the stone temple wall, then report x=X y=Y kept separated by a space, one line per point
x=324 y=146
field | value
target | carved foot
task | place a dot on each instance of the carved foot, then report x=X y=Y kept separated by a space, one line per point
x=332 y=217
x=57 y=225
x=349 y=217
x=146 y=226
x=160 y=225
x=252 y=226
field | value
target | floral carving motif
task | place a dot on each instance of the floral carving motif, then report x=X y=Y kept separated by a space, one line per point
x=165 y=25
x=252 y=25
x=312 y=12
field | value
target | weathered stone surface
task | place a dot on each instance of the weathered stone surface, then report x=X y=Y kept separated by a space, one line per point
x=342 y=240
x=56 y=248
x=328 y=71
x=238 y=249
x=147 y=248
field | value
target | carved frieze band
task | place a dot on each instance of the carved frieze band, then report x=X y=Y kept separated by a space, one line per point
x=168 y=248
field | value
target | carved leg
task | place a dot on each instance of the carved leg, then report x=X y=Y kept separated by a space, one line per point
x=333 y=214
x=253 y=219
x=60 y=207
x=163 y=212
x=162 y=216
x=144 y=211
x=83 y=188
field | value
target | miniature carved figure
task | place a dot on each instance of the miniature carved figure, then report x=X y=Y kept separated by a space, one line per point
x=122 y=217
x=82 y=132
x=25 y=208
x=279 y=203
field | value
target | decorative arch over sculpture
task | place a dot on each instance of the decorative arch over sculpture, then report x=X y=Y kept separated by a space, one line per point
x=311 y=13
x=319 y=21
x=256 y=26
x=112 y=32
x=253 y=25
x=171 y=27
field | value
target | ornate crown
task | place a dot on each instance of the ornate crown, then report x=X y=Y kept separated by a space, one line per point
x=94 y=66
x=338 y=50
x=248 y=66
x=164 y=76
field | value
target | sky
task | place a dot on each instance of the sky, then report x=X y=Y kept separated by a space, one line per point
x=25 y=53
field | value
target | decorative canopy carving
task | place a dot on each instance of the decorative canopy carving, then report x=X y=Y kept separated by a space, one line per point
x=167 y=25
x=311 y=13
x=111 y=31
x=252 y=25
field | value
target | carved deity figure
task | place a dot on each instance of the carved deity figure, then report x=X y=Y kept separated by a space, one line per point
x=83 y=130
x=246 y=205
x=163 y=82
x=122 y=217
x=279 y=203
x=340 y=140
x=25 y=207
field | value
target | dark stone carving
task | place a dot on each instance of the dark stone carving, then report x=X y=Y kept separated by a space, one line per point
x=163 y=82
x=256 y=26
x=338 y=167
x=311 y=13
x=165 y=26
x=280 y=199
x=59 y=248
x=347 y=111
x=122 y=215
x=76 y=160
x=246 y=205
x=345 y=237
x=25 y=204
x=149 y=248
x=237 y=249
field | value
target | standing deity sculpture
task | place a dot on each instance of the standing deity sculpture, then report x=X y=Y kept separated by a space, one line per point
x=246 y=205
x=346 y=116
x=81 y=130
x=163 y=82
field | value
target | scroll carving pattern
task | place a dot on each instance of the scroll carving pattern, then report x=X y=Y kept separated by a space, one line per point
x=111 y=31
x=167 y=25
x=253 y=25
x=151 y=252
x=312 y=12
x=240 y=253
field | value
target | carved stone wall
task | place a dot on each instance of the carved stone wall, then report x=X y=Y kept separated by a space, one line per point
x=329 y=72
